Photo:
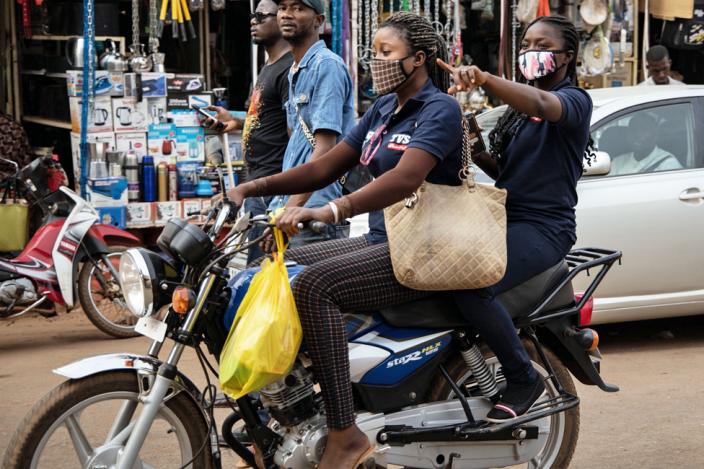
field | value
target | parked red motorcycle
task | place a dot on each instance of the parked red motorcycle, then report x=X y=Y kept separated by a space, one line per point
x=67 y=241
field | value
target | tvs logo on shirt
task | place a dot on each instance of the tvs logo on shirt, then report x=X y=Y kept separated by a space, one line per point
x=399 y=142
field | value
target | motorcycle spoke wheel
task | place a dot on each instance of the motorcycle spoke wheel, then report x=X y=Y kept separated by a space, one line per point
x=86 y=423
x=105 y=306
x=564 y=426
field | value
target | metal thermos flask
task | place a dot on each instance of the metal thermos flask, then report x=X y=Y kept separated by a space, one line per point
x=163 y=179
x=131 y=169
x=148 y=179
x=173 y=182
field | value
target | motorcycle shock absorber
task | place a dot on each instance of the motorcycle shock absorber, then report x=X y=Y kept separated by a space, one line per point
x=477 y=365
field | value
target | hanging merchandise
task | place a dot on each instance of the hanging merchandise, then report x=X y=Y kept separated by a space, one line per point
x=217 y=5
x=139 y=62
x=544 y=8
x=88 y=90
x=527 y=10
x=478 y=5
x=598 y=55
x=436 y=17
x=195 y=5
x=594 y=12
x=337 y=27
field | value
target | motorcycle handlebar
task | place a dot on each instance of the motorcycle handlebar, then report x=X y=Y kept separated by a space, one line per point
x=310 y=225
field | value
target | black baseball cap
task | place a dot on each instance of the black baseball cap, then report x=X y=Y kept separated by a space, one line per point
x=317 y=5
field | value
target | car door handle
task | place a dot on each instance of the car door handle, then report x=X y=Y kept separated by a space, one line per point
x=686 y=195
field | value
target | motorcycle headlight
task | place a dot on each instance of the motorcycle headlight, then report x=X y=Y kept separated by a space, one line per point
x=137 y=278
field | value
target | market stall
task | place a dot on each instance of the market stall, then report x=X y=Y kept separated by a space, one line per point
x=135 y=148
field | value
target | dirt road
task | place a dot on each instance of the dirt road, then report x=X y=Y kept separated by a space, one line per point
x=655 y=421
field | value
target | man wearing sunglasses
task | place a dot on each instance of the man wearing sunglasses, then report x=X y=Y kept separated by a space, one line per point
x=320 y=110
x=265 y=134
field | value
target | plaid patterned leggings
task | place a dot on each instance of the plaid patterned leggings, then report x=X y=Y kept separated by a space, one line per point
x=343 y=275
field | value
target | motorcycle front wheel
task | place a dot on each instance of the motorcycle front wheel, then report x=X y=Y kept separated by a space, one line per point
x=564 y=426
x=104 y=305
x=84 y=423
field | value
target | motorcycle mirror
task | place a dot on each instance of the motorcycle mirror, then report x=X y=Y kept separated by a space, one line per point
x=213 y=152
x=243 y=222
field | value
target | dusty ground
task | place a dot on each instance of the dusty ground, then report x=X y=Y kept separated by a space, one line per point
x=655 y=421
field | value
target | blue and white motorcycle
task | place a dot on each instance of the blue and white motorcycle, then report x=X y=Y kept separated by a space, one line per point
x=423 y=380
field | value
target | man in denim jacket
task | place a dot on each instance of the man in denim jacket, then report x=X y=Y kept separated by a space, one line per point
x=321 y=88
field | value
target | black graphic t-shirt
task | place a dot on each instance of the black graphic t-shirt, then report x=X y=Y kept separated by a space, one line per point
x=264 y=138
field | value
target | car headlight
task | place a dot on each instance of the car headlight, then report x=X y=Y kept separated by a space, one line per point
x=138 y=281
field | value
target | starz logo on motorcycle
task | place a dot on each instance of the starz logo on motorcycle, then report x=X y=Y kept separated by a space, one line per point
x=417 y=355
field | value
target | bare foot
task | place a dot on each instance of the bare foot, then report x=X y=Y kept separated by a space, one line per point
x=343 y=448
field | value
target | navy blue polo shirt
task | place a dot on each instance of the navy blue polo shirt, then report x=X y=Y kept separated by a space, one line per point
x=430 y=121
x=542 y=163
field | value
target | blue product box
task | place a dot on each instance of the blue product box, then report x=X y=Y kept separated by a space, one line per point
x=154 y=85
x=114 y=216
x=190 y=146
x=107 y=192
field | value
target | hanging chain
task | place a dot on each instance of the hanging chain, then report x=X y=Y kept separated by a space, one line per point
x=416 y=7
x=426 y=11
x=391 y=8
x=153 y=40
x=436 y=19
x=375 y=19
x=135 y=21
x=90 y=79
x=448 y=16
x=514 y=25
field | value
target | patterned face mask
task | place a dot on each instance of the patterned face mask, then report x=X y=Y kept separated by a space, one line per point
x=389 y=74
x=536 y=64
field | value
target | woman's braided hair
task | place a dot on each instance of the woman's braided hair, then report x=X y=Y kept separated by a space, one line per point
x=508 y=123
x=420 y=35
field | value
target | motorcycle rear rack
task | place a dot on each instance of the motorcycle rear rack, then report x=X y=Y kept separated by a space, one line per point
x=579 y=260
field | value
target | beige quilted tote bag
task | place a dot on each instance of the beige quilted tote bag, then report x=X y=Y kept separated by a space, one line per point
x=449 y=237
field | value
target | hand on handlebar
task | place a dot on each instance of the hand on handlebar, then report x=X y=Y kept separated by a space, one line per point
x=288 y=221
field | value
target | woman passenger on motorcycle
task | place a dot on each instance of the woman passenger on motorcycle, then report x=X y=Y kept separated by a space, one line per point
x=412 y=135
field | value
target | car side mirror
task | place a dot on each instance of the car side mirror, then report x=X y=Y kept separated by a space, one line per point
x=601 y=164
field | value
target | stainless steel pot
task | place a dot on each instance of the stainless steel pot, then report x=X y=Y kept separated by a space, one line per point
x=112 y=60
x=139 y=62
x=74 y=53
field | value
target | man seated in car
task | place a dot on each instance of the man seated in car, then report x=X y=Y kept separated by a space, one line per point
x=646 y=156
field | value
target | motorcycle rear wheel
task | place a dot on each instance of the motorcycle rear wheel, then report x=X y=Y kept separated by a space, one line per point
x=107 y=314
x=57 y=425
x=564 y=427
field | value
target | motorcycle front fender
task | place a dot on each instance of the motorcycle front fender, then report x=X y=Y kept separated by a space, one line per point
x=113 y=236
x=140 y=364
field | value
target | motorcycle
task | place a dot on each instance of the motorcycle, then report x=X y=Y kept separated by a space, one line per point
x=423 y=380
x=48 y=267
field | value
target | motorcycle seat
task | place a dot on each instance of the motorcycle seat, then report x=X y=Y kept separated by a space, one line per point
x=440 y=311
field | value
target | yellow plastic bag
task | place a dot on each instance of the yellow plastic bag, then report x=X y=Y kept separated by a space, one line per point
x=266 y=334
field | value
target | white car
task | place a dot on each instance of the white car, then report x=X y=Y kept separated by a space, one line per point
x=656 y=218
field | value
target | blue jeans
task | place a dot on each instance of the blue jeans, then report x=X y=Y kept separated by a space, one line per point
x=258 y=206
x=530 y=253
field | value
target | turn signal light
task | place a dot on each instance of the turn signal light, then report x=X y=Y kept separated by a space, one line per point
x=182 y=300
x=587 y=339
x=585 y=314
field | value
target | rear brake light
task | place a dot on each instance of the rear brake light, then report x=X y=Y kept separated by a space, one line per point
x=585 y=314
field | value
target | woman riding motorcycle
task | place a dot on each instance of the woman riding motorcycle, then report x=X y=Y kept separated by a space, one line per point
x=412 y=134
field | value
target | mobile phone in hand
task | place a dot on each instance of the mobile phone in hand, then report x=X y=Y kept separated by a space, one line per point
x=475 y=135
x=200 y=111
